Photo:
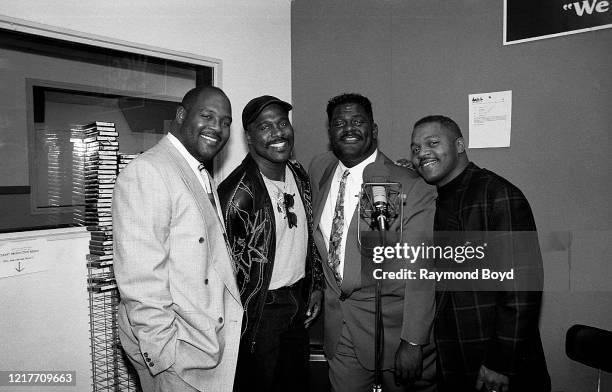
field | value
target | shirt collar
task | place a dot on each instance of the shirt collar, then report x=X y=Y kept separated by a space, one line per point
x=357 y=170
x=193 y=163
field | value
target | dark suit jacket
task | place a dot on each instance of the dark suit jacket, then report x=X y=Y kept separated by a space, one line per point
x=408 y=307
x=497 y=329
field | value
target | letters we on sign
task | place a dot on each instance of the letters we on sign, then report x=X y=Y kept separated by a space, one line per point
x=527 y=20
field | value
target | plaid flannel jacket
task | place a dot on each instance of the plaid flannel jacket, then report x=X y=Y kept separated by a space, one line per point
x=497 y=329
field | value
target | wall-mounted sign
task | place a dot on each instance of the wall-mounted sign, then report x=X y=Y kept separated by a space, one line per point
x=23 y=257
x=490 y=119
x=528 y=20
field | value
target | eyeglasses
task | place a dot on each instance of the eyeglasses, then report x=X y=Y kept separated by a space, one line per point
x=291 y=216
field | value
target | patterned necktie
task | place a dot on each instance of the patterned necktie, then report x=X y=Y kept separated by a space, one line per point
x=337 y=229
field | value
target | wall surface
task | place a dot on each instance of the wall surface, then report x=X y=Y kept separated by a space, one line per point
x=420 y=57
x=45 y=322
x=252 y=38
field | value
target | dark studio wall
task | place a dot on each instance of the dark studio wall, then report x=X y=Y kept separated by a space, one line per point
x=420 y=57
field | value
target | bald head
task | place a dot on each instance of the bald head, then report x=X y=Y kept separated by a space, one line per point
x=192 y=95
x=202 y=122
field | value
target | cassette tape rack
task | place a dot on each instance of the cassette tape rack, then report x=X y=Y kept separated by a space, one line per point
x=96 y=165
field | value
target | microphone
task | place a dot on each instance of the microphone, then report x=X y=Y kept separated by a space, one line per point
x=380 y=203
x=376 y=175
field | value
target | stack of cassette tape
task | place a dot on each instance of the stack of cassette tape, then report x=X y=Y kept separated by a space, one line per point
x=96 y=158
x=124 y=159
x=100 y=174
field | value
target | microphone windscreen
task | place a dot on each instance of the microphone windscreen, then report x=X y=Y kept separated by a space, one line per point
x=376 y=172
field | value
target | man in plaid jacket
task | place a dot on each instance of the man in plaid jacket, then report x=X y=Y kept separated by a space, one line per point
x=486 y=340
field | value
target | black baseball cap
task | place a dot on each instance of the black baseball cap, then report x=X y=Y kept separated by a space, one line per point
x=256 y=105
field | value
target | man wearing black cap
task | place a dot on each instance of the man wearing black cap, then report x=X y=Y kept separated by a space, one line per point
x=268 y=216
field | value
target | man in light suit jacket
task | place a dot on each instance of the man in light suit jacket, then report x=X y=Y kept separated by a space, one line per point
x=349 y=317
x=180 y=313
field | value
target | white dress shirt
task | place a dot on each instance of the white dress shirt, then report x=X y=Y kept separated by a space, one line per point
x=207 y=182
x=351 y=199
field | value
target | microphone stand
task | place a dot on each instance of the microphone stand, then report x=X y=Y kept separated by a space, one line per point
x=380 y=218
x=378 y=322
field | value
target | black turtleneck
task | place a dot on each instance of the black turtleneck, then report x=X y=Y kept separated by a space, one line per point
x=447 y=204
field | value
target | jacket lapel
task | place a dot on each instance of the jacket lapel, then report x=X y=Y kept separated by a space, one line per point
x=353 y=252
x=324 y=185
x=208 y=212
x=189 y=179
x=352 y=256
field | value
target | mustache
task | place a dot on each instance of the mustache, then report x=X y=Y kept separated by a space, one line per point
x=346 y=134
x=277 y=140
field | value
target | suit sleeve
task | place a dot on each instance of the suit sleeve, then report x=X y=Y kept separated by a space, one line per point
x=517 y=311
x=141 y=219
x=419 y=296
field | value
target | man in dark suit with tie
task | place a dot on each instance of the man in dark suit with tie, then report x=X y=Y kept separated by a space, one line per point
x=486 y=340
x=349 y=300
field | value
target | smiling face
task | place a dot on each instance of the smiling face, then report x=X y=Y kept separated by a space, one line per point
x=352 y=133
x=204 y=125
x=437 y=154
x=270 y=136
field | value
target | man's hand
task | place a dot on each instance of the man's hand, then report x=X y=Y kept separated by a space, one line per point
x=314 y=307
x=404 y=163
x=408 y=363
x=491 y=381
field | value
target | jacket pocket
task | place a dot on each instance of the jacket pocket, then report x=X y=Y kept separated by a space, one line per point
x=198 y=343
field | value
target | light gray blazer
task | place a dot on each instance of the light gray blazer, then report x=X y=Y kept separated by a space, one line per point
x=180 y=305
